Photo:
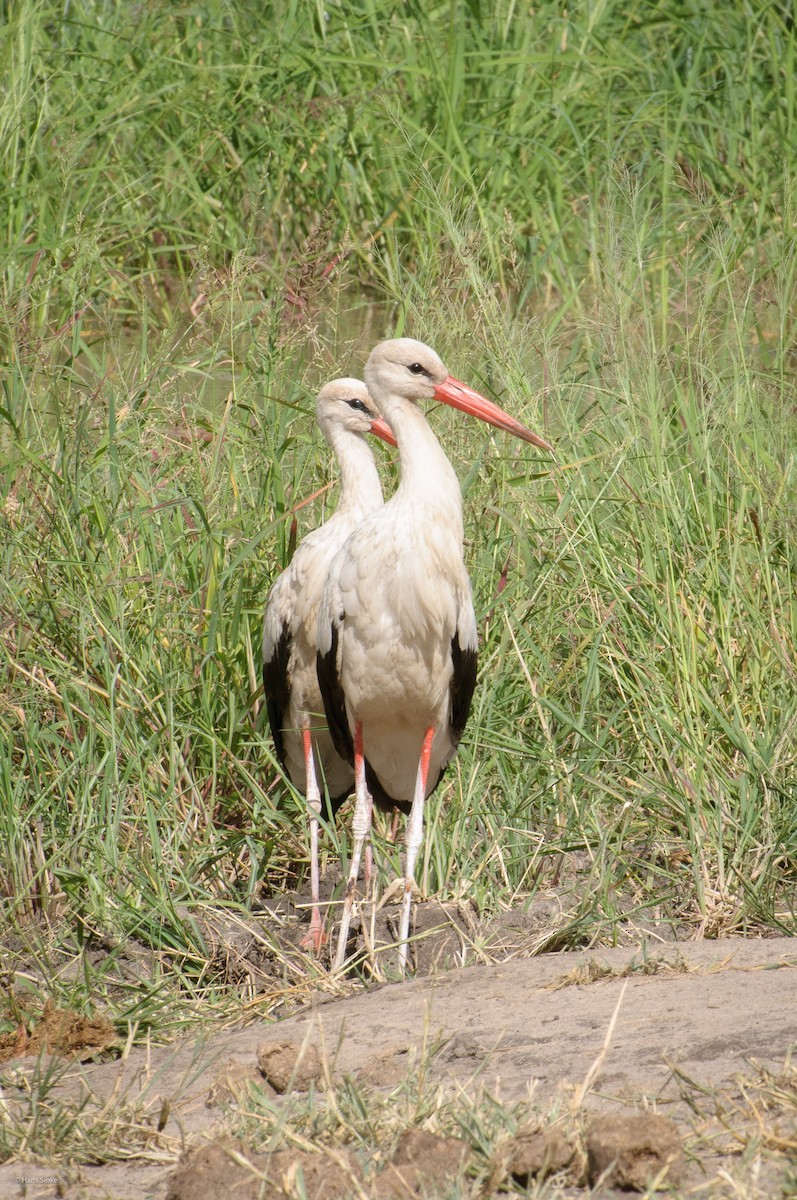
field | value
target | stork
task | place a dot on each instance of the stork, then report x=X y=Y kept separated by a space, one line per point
x=345 y=412
x=396 y=628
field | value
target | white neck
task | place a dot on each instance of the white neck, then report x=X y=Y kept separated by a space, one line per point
x=428 y=480
x=360 y=489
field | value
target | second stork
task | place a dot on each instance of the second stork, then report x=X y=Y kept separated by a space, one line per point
x=345 y=413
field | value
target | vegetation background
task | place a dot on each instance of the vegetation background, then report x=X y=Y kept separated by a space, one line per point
x=211 y=207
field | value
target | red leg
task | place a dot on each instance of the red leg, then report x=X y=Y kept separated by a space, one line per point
x=361 y=830
x=315 y=936
x=413 y=842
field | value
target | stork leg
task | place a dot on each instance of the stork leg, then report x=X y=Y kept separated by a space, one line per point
x=315 y=936
x=361 y=830
x=412 y=844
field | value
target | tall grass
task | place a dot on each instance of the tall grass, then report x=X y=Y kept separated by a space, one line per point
x=148 y=147
x=589 y=215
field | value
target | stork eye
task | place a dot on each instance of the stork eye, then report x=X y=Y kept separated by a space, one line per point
x=418 y=369
x=360 y=406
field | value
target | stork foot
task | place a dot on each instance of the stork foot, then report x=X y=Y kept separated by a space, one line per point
x=315 y=939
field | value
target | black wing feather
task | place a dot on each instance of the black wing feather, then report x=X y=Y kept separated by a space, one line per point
x=334 y=700
x=277 y=689
x=463 y=684
x=461 y=689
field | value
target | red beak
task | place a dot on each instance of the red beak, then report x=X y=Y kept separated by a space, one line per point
x=383 y=431
x=459 y=395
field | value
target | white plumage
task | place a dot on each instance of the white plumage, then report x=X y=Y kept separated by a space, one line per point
x=345 y=414
x=397 y=630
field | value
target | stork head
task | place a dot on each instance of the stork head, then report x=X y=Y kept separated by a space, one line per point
x=410 y=370
x=406 y=368
x=346 y=404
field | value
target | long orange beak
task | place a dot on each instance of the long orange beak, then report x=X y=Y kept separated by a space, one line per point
x=383 y=431
x=459 y=395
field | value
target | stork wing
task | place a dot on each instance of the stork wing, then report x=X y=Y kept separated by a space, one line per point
x=278 y=632
x=277 y=682
x=330 y=618
x=464 y=646
x=463 y=683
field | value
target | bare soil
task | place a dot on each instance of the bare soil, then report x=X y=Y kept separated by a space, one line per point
x=680 y=1030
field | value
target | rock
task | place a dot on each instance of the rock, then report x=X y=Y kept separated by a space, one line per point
x=216 y=1170
x=331 y=1175
x=631 y=1151
x=424 y=1149
x=289 y=1065
x=538 y=1154
x=421 y=1159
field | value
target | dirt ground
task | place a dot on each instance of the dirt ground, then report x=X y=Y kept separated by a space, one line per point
x=679 y=1030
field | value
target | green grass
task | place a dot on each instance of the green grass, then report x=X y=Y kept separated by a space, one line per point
x=589 y=216
x=151 y=148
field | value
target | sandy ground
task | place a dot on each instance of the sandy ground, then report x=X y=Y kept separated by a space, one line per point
x=640 y=1027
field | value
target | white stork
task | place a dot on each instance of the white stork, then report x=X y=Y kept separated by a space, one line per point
x=345 y=413
x=396 y=629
